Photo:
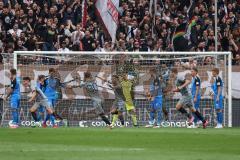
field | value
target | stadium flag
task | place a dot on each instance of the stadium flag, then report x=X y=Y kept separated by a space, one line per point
x=84 y=13
x=153 y=12
x=150 y=6
x=192 y=30
x=107 y=11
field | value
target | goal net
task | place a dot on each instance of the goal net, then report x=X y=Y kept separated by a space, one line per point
x=76 y=108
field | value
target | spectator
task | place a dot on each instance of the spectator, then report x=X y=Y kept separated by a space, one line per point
x=64 y=47
x=237 y=59
x=88 y=42
x=43 y=25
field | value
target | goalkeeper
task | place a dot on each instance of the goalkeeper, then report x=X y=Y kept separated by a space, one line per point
x=128 y=92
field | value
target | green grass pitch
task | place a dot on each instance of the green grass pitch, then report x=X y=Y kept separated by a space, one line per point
x=119 y=144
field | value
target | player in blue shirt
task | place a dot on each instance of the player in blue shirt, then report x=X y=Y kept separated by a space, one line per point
x=14 y=94
x=155 y=96
x=196 y=92
x=52 y=84
x=41 y=100
x=217 y=87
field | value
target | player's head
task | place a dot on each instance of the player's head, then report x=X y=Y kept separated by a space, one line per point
x=41 y=79
x=194 y=71
x=215 y=72
x=13 y=72
x=26 y=81
x=87 y=76
x=51 y=71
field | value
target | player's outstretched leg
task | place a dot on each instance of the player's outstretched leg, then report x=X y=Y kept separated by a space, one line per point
x=105 y=119
x=120 y=117
x=181 y=109
x=115 y=117
x=132 y=113
x=34 y=116
x=57 y=116
x=199 y=116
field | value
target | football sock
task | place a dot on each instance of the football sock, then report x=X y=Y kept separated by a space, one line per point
x=57 y=116
x=115 y=117
x=199 y=116
x=39 y=117
x=134 y=119
x=183 y=111
x=15 y=116
x=195 y=118
x=121 y=119
x=114 y=112
x=105 y=119
x=220 y=117
x=47 y=118
x=52 y=118
x=152 y=115
x=159 y=117
x=34 y=115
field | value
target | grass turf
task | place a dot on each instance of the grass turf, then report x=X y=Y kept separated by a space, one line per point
x=119 y=144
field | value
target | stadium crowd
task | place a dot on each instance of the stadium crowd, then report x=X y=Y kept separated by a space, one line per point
x=50 y=25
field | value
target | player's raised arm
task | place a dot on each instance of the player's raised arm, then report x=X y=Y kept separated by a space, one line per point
x=11 y=88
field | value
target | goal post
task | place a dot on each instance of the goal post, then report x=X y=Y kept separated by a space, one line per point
x=74 y=104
